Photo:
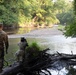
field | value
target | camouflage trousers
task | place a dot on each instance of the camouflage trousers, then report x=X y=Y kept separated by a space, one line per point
x=1 y=58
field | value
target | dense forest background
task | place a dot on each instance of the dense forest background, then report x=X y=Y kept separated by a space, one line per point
x=27 y=13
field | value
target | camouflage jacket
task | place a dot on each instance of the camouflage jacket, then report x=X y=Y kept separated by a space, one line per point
x=3 y=39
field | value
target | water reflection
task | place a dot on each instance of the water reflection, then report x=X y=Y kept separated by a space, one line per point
x=24 y=30
x=20 y=30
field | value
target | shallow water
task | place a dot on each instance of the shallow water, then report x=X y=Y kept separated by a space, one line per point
x=60 y=43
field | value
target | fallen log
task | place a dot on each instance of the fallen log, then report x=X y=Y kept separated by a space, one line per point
x=39 y=62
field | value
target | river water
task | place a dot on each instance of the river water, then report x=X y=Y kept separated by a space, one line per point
x=46 y=38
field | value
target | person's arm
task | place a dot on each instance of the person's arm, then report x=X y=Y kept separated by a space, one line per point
x=6 y=43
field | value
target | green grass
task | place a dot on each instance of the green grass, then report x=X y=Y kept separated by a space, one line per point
x=61 y=27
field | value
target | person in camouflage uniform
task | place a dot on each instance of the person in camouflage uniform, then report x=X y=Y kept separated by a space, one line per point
x=3 y=43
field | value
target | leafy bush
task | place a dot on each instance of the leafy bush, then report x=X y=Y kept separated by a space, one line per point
x=33 y=49
x=70 y=30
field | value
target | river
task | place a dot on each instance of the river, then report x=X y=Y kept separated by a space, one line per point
x=51 y=38
x=46 y=38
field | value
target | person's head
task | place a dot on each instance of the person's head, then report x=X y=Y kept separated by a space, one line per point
x=23 y=39
x=1 y=26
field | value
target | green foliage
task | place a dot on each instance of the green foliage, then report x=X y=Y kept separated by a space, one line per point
x=65 y=12
x=71 y=30
x=60 y=6
x=22 y=12
x=33 y=46
x=66 y=17
x=7 y=13
x=43 y=12
x=74 y=6
x=33 y=49
x=61 y=27
x=11 y=11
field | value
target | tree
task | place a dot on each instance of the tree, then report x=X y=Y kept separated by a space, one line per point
x=64 y=11
x=25 y=11
x=43 y=12
x=66 y=17
x=13 y=12
x=7 y=12
x=71 y=29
